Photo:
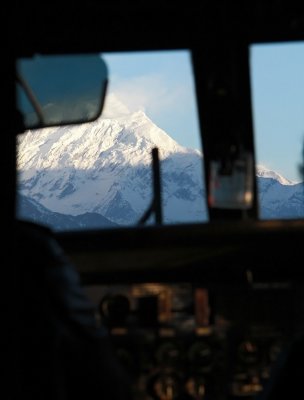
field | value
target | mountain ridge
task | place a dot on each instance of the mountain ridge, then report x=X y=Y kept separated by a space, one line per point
x=105 y=167
x=31 y=210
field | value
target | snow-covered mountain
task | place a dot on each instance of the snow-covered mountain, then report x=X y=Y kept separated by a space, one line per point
x=263 y=172
x=105 y=167
x=279 y=197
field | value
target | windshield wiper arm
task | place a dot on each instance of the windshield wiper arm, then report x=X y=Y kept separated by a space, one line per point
x=156 y=204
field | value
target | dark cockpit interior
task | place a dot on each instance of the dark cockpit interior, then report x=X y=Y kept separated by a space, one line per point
x=199 y=285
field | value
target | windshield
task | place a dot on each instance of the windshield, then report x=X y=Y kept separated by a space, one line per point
x=99 y=174
x=277 y=82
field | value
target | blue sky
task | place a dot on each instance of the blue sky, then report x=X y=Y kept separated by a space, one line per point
x=162 y=84
x=277 y=85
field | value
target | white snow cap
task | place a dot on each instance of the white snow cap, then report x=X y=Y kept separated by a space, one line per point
x=264 y=172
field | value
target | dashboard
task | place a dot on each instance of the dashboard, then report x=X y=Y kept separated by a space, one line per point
x=195 y=312
x=190 y=341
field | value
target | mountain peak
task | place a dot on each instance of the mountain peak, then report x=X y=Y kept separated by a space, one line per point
x=264 y=172
x=105 y=167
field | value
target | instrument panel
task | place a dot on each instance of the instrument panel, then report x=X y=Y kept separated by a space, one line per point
x=186 y=341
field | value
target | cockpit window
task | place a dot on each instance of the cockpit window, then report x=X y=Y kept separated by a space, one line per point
x=277 y=81
x=99 y=174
